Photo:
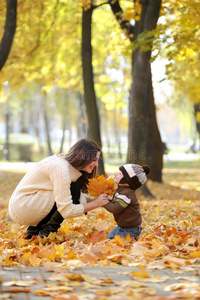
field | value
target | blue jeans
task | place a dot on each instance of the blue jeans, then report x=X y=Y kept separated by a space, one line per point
x=132 y=231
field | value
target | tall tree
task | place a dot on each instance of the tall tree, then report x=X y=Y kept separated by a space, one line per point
x=144 y=141
x=181 y=48
x=88 y=80
x=9 y=31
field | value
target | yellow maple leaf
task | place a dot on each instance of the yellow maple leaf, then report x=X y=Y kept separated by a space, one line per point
x=100 y=185
x=25 y=257
x=70 y=255
x=8 y=262
x=35 y=261
x=119 y=241
x=142 y=273
x=42 y=293
x=75 y=277
x=195 y=254
x=65 y=228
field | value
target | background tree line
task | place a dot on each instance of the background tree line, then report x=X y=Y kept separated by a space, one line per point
x=102 y=53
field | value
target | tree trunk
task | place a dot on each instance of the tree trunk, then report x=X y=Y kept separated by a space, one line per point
x=197 y=111
x=88 y=80
x=9 y=31
x=7 y=142
x=117 y=134
x=46 y=124
x=81 y=128
x=107 y=133
x=22 y=117
x=36 y=119
x=63 y=134
x=144 y=141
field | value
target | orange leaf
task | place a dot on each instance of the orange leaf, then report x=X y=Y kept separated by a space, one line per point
x=17 y=290
x=100 y=185
x=35 y=261
x=101 y=215
x=96 y=237
x=70 y=255
x=70 y=297
x=42 y=293
x=142 y=273
x=119 y=241
x=89 y=257
x=195 y=254
x=75 y=277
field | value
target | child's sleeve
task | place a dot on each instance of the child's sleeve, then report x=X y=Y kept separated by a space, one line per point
x=118 y=204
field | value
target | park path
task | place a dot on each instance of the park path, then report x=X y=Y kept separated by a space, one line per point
x=107 y=282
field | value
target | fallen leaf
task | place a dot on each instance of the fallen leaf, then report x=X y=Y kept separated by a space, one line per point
x=194 y=254
x=177 y=286
x=42 y=293
x=141 y=274
x=115 y=257
x=65 y=297
x=118 y=240
x=6 y=296
x=88 y=278
x=17 y=291
x=18 y=283
x=59 y=289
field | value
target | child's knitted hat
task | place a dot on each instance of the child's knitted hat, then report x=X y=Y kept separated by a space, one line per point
x=134 y=175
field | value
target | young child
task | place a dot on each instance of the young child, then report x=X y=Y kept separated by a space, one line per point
x=124 y=204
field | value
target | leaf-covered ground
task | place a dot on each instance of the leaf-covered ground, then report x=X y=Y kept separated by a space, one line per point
x=170 y=237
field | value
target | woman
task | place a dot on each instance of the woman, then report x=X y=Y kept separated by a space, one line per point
x=53 y=190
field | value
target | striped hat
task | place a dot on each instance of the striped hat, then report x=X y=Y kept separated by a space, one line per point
x=134 y=175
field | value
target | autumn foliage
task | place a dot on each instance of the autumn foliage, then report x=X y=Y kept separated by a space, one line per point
x=101 y=185
x=169 y=239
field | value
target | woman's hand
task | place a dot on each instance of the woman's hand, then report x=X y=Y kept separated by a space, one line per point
x=102 y=200
x=98 y=202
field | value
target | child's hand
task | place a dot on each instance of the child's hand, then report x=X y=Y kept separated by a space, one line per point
x=102 y=200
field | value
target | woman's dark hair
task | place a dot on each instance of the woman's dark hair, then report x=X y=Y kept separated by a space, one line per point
x=83 y=153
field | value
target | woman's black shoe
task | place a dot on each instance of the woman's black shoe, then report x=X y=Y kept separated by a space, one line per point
x=52 y=225
x=31 y=231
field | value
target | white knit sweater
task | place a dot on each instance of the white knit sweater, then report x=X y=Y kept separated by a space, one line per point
x=48 y=182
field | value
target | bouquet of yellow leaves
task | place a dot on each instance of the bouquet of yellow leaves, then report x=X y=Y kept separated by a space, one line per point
x=100 y=185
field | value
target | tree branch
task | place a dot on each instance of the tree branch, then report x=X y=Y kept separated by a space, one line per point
x=96 y=6
x=124 y=24
x=9 y=32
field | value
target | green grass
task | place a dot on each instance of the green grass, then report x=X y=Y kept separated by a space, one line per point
x=183 y=164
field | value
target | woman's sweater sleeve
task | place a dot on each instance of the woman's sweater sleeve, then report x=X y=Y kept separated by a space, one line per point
x=60 y=179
